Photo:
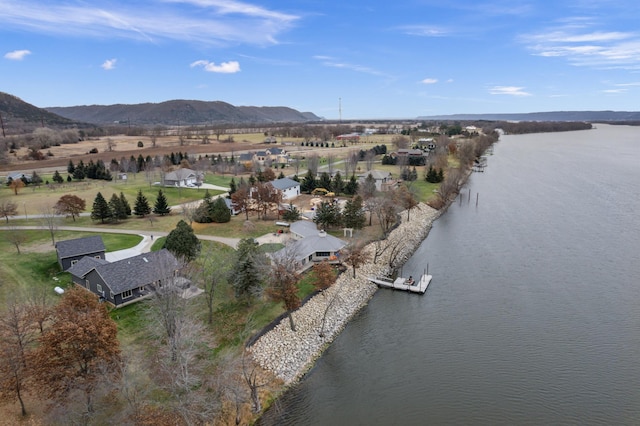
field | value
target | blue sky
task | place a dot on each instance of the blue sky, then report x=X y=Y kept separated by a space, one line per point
x=394 y=59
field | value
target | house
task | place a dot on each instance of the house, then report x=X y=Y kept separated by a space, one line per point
x=180 y=177
x=71 y=251
x=311 y=245
x=290 y=188
x=128 y=280
x=384 y=180
x=353 y=137
x=19 y=175
x=269 y=156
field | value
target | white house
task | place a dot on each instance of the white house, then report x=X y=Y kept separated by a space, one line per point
x=383 y=179
x=180 y=177
x=290 y=188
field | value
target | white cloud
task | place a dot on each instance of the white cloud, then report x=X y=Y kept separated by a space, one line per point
x=508 y=90
x=17 y=55
x=335 y=63
x=213 y=22
x=614 y=91
x=429 y=81
x=582 y=45
x=230 y=67
x=424 y=30
x=109 y=64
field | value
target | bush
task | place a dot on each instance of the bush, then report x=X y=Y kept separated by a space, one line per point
x=140 y=144
x=93 y=151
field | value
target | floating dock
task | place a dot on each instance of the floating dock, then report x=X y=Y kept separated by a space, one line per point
x=403 y=284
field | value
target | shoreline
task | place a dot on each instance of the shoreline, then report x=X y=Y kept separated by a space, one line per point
x=290 y=355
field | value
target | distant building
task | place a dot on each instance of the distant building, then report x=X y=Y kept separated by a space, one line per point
x=290 y=188
x=180 y=177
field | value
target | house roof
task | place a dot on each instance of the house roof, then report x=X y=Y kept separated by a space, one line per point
x=130 y=273
x=309 y=245
x=304 y=228
x=377 y=175
x=85 y=265
x=247 y=156
x=79 y=246
x=284 y=183
x=180 y=174
x=133 y=272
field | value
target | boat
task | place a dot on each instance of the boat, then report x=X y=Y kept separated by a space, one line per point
x=404 y=284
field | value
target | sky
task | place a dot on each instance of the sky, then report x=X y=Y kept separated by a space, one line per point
x=347 y=59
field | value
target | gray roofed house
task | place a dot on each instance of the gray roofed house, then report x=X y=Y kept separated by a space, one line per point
x=71 y=251
x=128 y=280
x=180 y=177
x=289 y=187
x=312 y=245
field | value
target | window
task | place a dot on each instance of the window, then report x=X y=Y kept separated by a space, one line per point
x=142 y=289
x=322 y=254
x=127 y=294
x=86 y=282
x=310 y=256
x=99 y=288
x=73 y=262
x=97 y=257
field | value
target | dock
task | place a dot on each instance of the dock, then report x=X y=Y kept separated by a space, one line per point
x=403 y=284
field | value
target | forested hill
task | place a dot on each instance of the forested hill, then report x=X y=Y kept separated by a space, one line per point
x=591 y=116
x=19 y=116
x=181 y=112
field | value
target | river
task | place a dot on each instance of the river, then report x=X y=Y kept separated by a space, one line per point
x=533 y=315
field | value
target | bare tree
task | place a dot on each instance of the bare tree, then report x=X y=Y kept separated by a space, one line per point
x=283 y=280
x=7 y=208
x=312 y=163
x=351 y=163
x=16 y=237
x=50 y=221
x=111 y=144
x=331 y=159
x=400 y=142
x=387 y=212
x=369 y=159
x=355 y=256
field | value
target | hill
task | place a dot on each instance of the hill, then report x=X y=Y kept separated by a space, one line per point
x=20 y=117
x=591 y=116
x=181 y=112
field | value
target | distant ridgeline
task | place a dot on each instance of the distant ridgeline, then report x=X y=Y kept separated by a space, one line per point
x=523 y=127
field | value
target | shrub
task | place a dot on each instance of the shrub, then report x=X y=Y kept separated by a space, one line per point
x=140 y=144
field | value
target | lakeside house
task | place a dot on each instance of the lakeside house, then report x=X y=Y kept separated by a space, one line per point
x=311 y=245
x=69 y=252
x=128 y=280
x=384 y=180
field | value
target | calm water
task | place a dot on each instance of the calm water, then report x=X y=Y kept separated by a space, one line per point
x=533 y=316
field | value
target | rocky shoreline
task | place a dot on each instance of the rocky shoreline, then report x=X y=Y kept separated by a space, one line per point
x=287 y=354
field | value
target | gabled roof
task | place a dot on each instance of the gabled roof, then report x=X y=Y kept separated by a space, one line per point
x=304 y=228
x=309 y=245
x=79 y=246
x=137 y=271
x=284 y=183
x=247 y=156
x=85 y=265
x=180 y=174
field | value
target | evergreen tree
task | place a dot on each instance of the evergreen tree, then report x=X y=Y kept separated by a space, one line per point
x=338 y=184
x=368 y=187
x=281 y=175
x=100 y=209
x=118 y=210
x=353 y=215
x=232 y=186
x=325 y=181
x=57 y=178
x=69 y=178
x=351 y=188
x=78 y=173
x=291 y=214
x=182 y=242
x=245 y=275
x=161 y=206
x=309 y=183
x=219 y=211
x=141 y=207
x=125 y=204
x=70 y=167
x=327 y=215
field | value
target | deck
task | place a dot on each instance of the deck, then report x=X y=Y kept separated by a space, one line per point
x=401 y=283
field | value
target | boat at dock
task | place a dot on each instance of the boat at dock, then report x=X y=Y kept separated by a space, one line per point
x=404 y=284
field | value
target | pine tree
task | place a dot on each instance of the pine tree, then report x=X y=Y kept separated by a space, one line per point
x=141 y=207
x=309 y=183
x=353 y=215
x=351 y=188
x=232 y=186
x=125 y=204
x=100 y=209
x=338 y=184
x=219 y=212
x=118 y=211
x=161 y=206
x=325 y=181
x=70 y=167
x=57 y=178
x=182 y=242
